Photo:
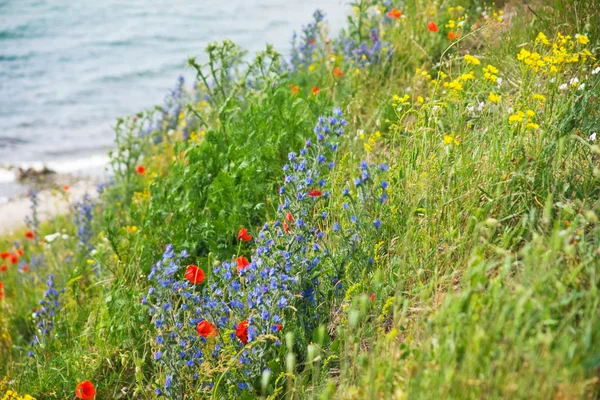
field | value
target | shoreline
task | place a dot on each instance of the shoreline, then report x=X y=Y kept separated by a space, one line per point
x=81 y=175
x=53 y=200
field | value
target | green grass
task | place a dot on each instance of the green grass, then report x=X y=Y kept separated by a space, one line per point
x=482 y=281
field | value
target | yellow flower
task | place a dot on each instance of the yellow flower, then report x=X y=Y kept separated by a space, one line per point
x=490 y=73
x=516 y=117
x=494 y=98
x=420 y=99
x=472 y=60
x=398 y=101
x=582 y=39
x=532 y=125
x=454 y=85
x=490 y=68
x=523 y=54
x=312 y=67
x=367 y=147
x=539 y=97
x=90 y=261
x=450 y=140
x=466 y=77
x=451 y=24
x=530 y=113
x=543 y=39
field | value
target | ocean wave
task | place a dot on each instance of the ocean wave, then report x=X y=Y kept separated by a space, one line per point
x=18 y=57
x=64 y=166
x=146 y=73
x=7 y=176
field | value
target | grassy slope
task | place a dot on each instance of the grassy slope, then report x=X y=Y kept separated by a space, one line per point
x=485 y=286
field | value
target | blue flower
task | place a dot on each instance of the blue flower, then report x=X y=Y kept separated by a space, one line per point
x=282 y=303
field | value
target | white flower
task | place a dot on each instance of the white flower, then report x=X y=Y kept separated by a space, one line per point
x=596 y=70
x=564 y=87
x=593 y=137
x=480 y=106
x=51 y=238
x=499 y=81
x=373 y=11
x=470 y=109
x=65 y=236
x=574 y=81
x=581 y=87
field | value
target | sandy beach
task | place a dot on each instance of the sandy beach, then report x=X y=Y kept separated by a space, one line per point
x=52 y=202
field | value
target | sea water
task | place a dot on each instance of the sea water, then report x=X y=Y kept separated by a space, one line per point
x=68 y=68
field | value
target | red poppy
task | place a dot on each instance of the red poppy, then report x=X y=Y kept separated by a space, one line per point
x=432 y=26
x=194 y=274
x=20 y=252
x=372 y=296
x=206 y=329
x=453 y=35
x=85 y=390
x=279 y=327
x=294 y=89
x=314 y=193
x=286 y=227
x=316 y=90
x=1 y=285
x=338 y=72
x=394 y=14
x=4 y=255
x=13 y=259
x=242 y=331
x=66 y=188
x=289 y=217
x=3 y=268
x=243 y=235
x=26 y=268
x=29 y=235
x=140 y=169
x=242 y=262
